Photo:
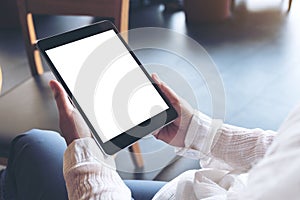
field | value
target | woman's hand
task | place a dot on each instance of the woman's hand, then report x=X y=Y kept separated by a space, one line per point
x=71 y=123
x=174 y=133
x=74 y=127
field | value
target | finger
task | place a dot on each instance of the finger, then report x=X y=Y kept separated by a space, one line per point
x=161 y=136
x=172 y=96
x=61 y=97
x=165 y=89
x=156 y=131
x=155 y=134
x=156 y=78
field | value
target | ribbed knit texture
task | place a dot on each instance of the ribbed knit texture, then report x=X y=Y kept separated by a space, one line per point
x=89 y=175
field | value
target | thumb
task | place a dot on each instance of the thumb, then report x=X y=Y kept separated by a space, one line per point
x=63 y=104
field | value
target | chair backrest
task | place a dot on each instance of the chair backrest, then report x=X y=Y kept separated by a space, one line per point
x=116 y=9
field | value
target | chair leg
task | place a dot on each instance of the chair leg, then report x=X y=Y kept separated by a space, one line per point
x=29 y=34
x=290 y=5
x=122 y=20
x=122 y=24
x=136 y=156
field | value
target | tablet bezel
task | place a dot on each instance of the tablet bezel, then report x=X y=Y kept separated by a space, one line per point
x=124 y=139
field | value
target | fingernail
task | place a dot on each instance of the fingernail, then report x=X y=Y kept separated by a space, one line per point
x=155 y=76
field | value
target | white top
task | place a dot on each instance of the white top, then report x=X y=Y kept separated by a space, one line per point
x=237 y=163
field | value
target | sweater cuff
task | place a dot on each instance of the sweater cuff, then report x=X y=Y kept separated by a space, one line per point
x=86 y=150
x=200 y=136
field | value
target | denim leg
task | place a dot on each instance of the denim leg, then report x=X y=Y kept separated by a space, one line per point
x=144 y=190
x=35 y=170
x=35 y=167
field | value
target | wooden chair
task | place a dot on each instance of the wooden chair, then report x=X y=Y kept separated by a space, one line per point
x=30 y=105
x=117 y=9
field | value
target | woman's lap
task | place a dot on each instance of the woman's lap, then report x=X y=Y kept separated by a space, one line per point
x=35 y=169
x=141 y=189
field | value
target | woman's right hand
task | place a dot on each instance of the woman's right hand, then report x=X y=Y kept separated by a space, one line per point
x=174 y=133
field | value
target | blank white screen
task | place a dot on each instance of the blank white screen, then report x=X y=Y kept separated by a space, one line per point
x=69 y=59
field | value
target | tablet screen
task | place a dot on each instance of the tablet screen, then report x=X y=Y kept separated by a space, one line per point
x=122 y=96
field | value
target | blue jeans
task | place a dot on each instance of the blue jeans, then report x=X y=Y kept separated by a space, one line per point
x=35 y=170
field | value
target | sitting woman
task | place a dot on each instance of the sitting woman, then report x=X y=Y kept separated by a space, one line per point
x=43 y=165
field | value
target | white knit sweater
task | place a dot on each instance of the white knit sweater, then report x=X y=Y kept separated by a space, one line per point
x=237 y=163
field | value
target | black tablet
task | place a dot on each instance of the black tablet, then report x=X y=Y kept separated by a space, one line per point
x=106 y=82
